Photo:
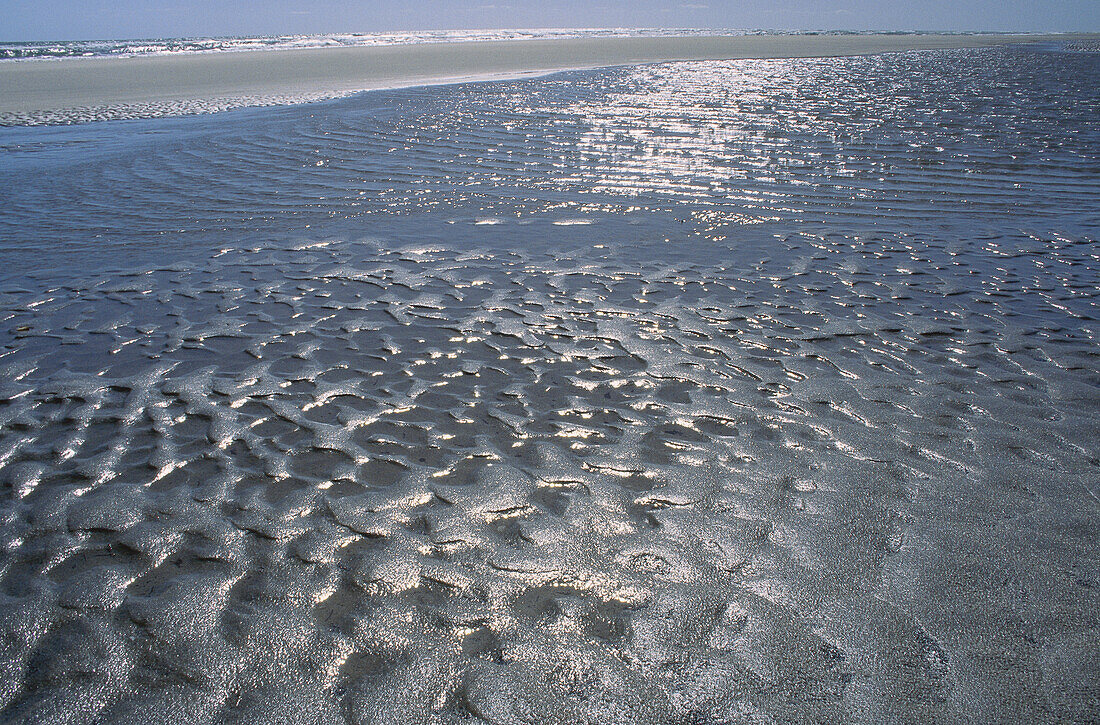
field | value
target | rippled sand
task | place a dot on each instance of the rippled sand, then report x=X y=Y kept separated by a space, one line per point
x=760 y=391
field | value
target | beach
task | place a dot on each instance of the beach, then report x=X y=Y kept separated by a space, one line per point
x=737 y=390
x=81 y=89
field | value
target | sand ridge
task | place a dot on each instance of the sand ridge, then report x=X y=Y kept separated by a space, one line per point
x=86 y=89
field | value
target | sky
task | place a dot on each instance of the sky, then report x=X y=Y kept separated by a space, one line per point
x=117 y=19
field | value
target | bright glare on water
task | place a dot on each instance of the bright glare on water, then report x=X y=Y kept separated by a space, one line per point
x=718 y=392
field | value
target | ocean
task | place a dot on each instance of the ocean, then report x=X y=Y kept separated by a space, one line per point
x=60 y=49
x=702 y=392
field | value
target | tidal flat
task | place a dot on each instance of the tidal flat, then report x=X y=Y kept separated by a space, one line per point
x=714 y=391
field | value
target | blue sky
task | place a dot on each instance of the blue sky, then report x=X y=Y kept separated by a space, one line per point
x=102 y=19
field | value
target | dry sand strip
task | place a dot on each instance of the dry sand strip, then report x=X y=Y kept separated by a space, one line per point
x=80 y=89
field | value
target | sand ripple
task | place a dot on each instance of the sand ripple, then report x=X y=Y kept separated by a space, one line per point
x=419 y=480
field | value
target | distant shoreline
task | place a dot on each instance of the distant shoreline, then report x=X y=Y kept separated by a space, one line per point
x=73 y=90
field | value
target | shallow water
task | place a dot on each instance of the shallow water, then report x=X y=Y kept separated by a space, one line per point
x=755 y=391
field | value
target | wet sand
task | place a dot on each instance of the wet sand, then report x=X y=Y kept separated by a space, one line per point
x=749 y=391
x=101 y=88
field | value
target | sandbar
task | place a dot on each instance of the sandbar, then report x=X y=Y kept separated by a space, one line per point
x=73 y=90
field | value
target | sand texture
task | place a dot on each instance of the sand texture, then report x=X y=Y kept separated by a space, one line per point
x=86 y=89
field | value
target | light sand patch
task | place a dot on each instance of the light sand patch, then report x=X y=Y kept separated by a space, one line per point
x=85 y=89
